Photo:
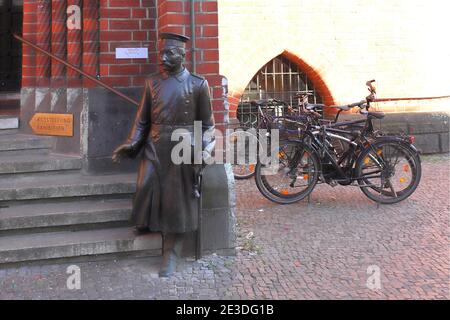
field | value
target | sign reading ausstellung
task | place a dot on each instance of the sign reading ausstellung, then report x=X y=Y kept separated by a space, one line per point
x=52 y=124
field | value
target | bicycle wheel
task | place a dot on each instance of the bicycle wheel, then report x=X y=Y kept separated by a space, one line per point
x=241 y=172
x=293 y=179
x=389 y=171
x=242 y=166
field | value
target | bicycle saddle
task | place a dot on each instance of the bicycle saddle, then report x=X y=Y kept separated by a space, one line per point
x=312 y=106
x=377 y=115
x=343 y=108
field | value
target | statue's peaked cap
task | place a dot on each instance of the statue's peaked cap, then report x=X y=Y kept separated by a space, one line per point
x=174 y=36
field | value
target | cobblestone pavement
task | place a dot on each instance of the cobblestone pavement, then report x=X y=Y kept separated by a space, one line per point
x=327 y=249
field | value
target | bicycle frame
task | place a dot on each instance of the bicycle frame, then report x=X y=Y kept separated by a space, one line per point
x=319 y=139
x=320 y=144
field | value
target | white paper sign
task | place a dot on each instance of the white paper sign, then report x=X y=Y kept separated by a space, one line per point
x=131 y=53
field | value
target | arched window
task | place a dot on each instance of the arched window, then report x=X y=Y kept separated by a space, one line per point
x=279 y=79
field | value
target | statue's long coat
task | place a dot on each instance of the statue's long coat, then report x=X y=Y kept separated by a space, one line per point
x=164 y=198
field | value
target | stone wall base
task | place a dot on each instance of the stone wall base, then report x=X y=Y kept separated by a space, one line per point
x=430 y=129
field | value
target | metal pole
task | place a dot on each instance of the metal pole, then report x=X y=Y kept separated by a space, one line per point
x=406 y=99
x=198 y=242
x=193 y=38
x=120 y=94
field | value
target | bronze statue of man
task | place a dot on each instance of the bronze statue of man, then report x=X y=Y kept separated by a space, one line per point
x=166 y=199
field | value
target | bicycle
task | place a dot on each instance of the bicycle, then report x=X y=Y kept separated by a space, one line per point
x=266 y=112
x=386 y=168
x=268 y=115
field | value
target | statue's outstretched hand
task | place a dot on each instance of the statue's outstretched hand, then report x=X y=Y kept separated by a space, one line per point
x=124 y=150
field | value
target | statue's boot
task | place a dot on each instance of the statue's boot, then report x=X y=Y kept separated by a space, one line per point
x=138 y=231
x=169 y=265
x=172 y=249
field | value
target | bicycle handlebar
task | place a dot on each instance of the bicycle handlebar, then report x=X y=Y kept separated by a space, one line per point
x=371 y=88
x=363 y=103
x=268 y=102
x=301 y=94
x=350 y=106
x=357 y=104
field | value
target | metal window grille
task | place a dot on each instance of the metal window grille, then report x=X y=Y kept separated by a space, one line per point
x=279 y=79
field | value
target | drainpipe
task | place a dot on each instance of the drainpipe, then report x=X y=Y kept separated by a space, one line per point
x=156 y=25
x=193 y=49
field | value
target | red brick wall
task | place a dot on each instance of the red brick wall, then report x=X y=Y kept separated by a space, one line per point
x=127 y=24
x=174 y=16
x=28 y=55
x=74 y=51
x=109 y=24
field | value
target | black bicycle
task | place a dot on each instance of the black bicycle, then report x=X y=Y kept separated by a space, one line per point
x=386 y=168
x=260 y=114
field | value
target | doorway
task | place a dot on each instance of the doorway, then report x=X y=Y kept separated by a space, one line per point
x=11 y=17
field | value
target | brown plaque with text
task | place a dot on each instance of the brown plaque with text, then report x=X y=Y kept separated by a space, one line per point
x=52 y=124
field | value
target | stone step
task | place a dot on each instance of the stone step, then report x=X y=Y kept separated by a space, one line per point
x=9 y=131
x=60 y=214
x=54 y=245
x=38 y=163
x=18 y=144
x=65 y=186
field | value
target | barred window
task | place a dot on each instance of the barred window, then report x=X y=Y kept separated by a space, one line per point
x=279 y=79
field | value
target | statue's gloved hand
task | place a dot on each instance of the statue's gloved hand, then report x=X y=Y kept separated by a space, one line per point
x=129 y=150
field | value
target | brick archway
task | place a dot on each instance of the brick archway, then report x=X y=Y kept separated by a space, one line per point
x=312 y=74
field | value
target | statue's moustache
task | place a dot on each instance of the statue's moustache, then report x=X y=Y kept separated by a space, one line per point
x=166 y=64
